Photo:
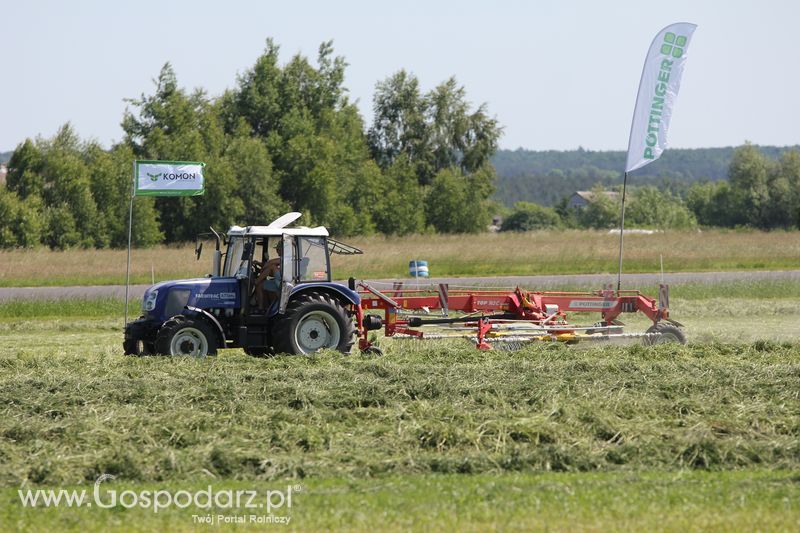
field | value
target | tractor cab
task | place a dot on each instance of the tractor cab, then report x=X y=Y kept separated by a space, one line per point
x=294 y=256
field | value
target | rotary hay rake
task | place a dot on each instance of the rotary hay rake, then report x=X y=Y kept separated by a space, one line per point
x=509 y=316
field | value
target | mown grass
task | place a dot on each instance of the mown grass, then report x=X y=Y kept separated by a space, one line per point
x=758 y=500
x=74 y=409
x=430 y=436
x=544 y=252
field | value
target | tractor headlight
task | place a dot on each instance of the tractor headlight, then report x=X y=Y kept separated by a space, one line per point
x=149 y=302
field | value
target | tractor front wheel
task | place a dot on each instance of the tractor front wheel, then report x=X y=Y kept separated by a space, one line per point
x=137 y=347
x=182 y=335
x=131 y=346
x=314 y=321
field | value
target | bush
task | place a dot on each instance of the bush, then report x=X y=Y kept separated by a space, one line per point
x=601 y=213
x=62 y=231
x=528 y=216
x=652 y=208
x=20 y=222
x=455 y=203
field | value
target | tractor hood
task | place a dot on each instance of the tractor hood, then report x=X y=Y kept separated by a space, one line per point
x=168 y=298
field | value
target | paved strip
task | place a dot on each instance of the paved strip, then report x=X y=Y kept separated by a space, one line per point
x=629 y=281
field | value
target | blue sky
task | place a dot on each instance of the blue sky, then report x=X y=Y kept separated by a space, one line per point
x=556 y=74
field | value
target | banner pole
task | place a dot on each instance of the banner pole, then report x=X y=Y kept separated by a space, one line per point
x=130 y=232
x=621 y=230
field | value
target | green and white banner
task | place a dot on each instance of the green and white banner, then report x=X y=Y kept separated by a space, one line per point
x=661 y=80
x=168 y=178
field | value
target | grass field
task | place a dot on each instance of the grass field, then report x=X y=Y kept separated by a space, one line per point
x=750 y=500
x=430 y=436
x=550 y=252
x=434 y=436
x=75 y=409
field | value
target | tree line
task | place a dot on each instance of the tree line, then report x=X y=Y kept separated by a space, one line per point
x=287 y=137
x=760 y=192
x=545 y=177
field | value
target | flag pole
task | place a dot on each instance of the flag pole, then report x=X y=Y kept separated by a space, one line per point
x=621 y=230
x=130 y=232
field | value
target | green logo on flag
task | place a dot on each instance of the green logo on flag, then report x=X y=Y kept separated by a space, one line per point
x=673 y=45
x=154 y=177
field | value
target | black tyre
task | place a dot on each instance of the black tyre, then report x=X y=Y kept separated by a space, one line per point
x=132 y=346
x=314 y=321
x=137 y=347
x=182 y=335
x=662 y=333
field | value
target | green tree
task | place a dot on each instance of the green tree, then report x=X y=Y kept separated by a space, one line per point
x=251 y=167
x=20 y=221
x=401 y=202
x=313 y=134
x=24 y=170
x=62 y=229
x=447 y=145
x=455 y=204
x=748 y=175
x=528 y=216
x=784 y=192
x=567 y=215
x=459 y=137
x=50 y=172
x=715 y=204
x=257 y=99
x=171 y=124
x=652 y=208
x=400 y=127
x=434 y=132
x=602 y=212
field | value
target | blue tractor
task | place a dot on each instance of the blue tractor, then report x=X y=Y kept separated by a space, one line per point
x=303 y=310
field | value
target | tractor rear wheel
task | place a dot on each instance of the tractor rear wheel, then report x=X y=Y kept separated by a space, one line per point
x=314 y=321
x=181 y=335
x=662 y=333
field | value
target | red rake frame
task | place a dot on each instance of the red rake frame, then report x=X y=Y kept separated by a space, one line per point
x=541 y=315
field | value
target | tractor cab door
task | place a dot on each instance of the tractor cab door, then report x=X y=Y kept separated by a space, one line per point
x=243 y=273
x=288 y=271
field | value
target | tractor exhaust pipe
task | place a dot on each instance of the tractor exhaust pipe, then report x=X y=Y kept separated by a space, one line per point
x=216 y=262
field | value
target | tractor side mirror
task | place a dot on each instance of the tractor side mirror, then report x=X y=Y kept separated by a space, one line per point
x=198 y=250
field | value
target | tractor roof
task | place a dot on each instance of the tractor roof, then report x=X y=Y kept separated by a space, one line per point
x=270 y=231
x=278 y=227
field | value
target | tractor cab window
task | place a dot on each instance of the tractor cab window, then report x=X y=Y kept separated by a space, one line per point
x=312 y=259
x=234 y=264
